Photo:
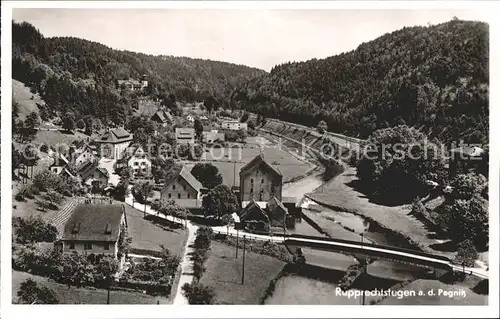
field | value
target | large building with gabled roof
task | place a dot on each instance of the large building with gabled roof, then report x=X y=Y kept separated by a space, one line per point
x=113 y=142
x=94 y=229
x=260 y=181
x=184 y=189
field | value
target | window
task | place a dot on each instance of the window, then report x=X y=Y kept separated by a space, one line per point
x=87 y=246
x=173 y=187
x=136 y=163
x=169 y=195
x=106 y=246
x=262 y=181
x=179 y=195
x=184 y=186
x=251 y=180
x=136 y=170
x=71 y=245
x=189 y=195
x=144 y=170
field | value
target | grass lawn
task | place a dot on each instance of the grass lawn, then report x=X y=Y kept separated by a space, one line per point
x=223 y=273
x=73 y=295
x=146 y=235
x=53 y=138
x=22 y=95
x=338 y=193
x=470 y=299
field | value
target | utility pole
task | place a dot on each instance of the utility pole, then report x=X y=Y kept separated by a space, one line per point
x=109 y=286
x=243 y=264
x=237 y=237
x=364 y=272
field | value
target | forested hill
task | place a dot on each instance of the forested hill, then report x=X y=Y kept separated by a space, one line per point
x=434 y=78
x=79 y=76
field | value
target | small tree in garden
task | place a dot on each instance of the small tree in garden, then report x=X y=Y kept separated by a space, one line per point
x=466 y=254
x=141 y=191
x=105 y=269
x=198 y=294
x=33 y=229
x=207 y=174
x=220 y=201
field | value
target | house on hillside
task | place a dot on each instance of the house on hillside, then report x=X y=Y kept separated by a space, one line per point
x=140 y=163
x=94 y=229
x=260 y=181
x=113 y=142
x=60 y=166
x=162 y=117
x=258 y=218
x=184 y=189
x=185 y=135
x=133 y=85
x=212 y=136
x=234 y=125
x=93 y=175
x=83 y=154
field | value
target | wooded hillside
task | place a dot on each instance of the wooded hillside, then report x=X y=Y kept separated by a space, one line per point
x=434 y=78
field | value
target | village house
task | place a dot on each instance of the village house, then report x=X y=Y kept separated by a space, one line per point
x=60 y=166
x=113 y=142
x=234 y=125
x=213 y=136
x=94 y=229
x=82 y=155
x=140 y=163
x=184 y=189
x=162 y=117
x=190 y=118
x=259 y=181
x=256 y=217
x=185 y=135
x=132 y=84
x=93 y=175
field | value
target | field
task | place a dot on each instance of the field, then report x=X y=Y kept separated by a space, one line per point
x=229 y=161
x=146 y=235
x=73 y=295
x=339 y=193
x=223 y=273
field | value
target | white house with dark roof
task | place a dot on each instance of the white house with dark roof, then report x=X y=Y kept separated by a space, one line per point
x=162 y=117
x=94 y=229
x=113 y=142
x=184 y=189
x=139 y=162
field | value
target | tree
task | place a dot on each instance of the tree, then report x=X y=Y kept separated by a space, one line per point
x=244 y=117
x=400 y=162
x=32 y=121
x=30 y=292
x=121 y=190
x=105 y=271
x=466 y=186
x=34 y=229
x=141 y=191
x=68 y=122
x=220 y=201
x=210 y=103
x=198 y=128
x=198 y=294
x=468 y=219
x=466 y=254
x=207 y=174
x=251 y=124
x=322 y=127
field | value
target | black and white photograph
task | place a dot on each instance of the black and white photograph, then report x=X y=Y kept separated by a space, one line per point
x=211 y=155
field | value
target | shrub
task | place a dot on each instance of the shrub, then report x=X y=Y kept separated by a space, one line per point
x=46 y=180
x=30 y=292
x=198 y=294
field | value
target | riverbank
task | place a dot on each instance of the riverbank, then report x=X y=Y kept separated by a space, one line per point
x=340 y=194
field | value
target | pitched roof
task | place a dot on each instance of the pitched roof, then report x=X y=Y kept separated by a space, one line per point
x=60 y=160
x=94 y=222
x=86 y=171
x=161 y=115
x=277 y=202
x=252 y=206
x=188 y=177
x=259 y=159
x=115 y=135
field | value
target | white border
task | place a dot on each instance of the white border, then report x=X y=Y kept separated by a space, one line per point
x=154 y=311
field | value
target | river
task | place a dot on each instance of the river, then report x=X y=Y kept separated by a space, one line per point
x=294 y=289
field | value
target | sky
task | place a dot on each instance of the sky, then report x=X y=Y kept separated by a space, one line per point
x=258 y=38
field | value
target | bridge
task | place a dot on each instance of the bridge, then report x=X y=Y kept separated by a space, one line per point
x=368 y=250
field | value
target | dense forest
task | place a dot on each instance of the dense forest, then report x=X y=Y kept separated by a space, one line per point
x=79 y=76
x=433 y=78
